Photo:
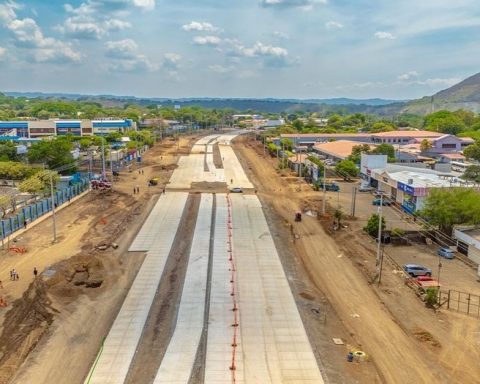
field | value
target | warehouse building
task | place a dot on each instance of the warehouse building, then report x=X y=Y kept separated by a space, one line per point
x=43 y=128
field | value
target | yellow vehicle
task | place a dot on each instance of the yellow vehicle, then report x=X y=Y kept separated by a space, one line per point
x=153 y=181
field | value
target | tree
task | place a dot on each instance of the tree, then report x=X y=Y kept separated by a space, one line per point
x=472 y=173
x=347 y=169
x=425 y=145
x=55 y=153
x=357 y=151
x=372 y=225
x=472 y=151
x=39 y=182
x=338 y=216
x=445 y=122
x=382 y=126
x=11 y=170
x=384 y=149
x=448 y=207
x=8 y=151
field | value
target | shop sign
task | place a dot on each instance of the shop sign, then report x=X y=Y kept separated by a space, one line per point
x=406 y=188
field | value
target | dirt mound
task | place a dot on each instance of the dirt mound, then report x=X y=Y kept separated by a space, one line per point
x=210 y=187
x=25 y=323
x=426 y=337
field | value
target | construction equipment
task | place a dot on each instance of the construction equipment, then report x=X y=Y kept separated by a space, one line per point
x=153 y=181
x=298 y=216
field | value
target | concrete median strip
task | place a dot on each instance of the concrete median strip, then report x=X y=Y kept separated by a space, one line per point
x=177 y=364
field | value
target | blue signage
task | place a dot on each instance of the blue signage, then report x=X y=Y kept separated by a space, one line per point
x=406 y=188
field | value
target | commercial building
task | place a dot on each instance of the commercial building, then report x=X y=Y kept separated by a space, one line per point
x=408 y=186
x=469 y=242
x=43 y=128
x=336 y=150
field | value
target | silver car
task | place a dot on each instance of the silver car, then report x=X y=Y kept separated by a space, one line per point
x=417 y=270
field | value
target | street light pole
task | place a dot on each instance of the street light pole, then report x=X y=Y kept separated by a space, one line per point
x=53 y=209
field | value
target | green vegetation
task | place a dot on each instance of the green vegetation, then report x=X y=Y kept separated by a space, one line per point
x=472 y=151
x=472 y=173
x=382 y=149
x=10 y=170
x=372 y=225
x=39 y=182
x=55 y=153
x=347 y=169
x=431 y=297
x=448 y=207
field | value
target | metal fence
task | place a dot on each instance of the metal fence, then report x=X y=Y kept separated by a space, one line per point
x=462 y=302
x=33 y=211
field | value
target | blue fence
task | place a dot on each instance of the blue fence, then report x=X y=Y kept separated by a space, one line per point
x=33 y=211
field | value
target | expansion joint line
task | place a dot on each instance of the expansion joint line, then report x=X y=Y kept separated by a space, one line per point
x=233 y=282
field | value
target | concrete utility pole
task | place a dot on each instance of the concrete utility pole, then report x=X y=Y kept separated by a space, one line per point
x=324 y=189
x=379 y=240
x=354 y=200
x=53 y=209
x=103 y=159
x=111 y=165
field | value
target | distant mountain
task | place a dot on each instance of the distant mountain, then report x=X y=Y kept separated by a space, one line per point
x=266 y=105
x=464 y=95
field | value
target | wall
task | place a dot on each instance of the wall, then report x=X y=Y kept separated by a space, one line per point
x=473 y=245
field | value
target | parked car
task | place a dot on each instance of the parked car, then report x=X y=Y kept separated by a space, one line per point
x=447 y=253
x=417 y=270
x=365 y=188
x=236 y=190
x=384 y=201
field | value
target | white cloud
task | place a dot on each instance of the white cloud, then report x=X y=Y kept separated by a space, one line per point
x=304 y=4
x=408 y=76
x=121 y=49
x=280 y=35
x=333 y=25
x=7 y=11
x=260 y=49
x=217 y=68
x=102 y=7
x=126 y=57
x=3 y=53
x=207 y=40
x=29 y=36
x=436 y=82
x=82 y=27
x=199 y=26
x=147 y=5
x=171 y=60
x=384 y=35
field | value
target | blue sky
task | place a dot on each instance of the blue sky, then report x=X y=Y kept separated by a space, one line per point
x=241 y=48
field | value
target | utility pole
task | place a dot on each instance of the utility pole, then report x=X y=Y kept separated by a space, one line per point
x=90 y=164
x=111 y=164
x=354 y=200
x=53 y=209
x=324 y=189
x=379 y=240
x=103 y=159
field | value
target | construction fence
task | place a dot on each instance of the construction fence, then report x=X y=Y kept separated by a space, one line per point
x=35 y=210
x=462 y=302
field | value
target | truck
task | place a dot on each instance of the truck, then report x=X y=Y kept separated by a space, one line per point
x=318 y=186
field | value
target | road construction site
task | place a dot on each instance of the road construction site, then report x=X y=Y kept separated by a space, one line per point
x=207 y=286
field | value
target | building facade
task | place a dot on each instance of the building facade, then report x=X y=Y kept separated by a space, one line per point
x=43 y=128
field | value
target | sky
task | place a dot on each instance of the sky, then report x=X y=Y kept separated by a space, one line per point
x=239 y=48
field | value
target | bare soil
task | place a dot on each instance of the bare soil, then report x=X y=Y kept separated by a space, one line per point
x=53 y=327
x=383 y=321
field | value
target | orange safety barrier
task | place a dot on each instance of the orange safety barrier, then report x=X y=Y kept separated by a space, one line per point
x=232 y=268
x=18 y=249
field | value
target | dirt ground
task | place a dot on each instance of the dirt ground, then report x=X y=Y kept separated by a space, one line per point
x=54 y=324
x=405 y=341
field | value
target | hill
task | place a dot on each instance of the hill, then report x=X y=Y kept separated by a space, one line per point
x=464 y=95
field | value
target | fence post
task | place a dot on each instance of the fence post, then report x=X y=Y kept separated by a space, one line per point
x=448 y=301
x=468 y=305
